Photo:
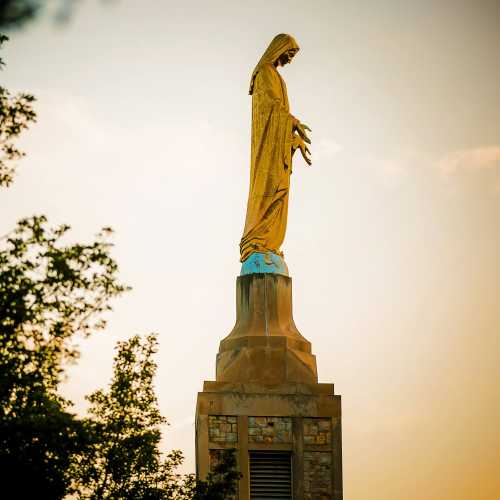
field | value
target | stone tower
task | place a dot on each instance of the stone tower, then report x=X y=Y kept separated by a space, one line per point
x=266 y=401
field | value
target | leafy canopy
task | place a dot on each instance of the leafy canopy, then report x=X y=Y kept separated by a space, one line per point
x=51 y=293
x=16 y=113
x=124 y=462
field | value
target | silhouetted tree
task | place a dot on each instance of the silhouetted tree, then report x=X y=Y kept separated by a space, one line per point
x=50 y=292
x=16 y=112
x=124 y=461
x=222 y=482
x=15 y=14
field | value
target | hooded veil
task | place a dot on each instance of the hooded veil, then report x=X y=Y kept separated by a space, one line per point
x=271 y=154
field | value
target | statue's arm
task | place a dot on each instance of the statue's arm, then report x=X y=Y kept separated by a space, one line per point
x=267 y=83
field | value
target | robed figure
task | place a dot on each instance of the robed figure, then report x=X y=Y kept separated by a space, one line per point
x=276 y=134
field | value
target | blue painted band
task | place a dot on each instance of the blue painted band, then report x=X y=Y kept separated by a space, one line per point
x=268 y=262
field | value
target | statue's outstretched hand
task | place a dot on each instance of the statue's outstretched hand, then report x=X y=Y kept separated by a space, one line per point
x=298 y=143
x=301 y=129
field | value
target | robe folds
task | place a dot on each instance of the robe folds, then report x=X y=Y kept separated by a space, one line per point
x=271 y=163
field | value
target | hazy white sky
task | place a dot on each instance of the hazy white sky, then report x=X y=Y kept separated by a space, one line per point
x=394 y=232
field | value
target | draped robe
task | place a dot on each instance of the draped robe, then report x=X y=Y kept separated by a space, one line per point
x=271 y=157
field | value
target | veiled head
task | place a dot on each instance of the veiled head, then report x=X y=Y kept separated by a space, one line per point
x=281 y=49
x=280 y=52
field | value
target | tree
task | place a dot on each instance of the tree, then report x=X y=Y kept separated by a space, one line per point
x=16 y=14
x=124 y=460
x=50 y=293
x=16 y=113
x=222 y=482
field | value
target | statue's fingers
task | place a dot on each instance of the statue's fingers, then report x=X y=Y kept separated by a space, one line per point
x=304 y=155
x=306 y=127
x=303 y=134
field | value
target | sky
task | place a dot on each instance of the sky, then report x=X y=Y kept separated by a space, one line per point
x=393 y=239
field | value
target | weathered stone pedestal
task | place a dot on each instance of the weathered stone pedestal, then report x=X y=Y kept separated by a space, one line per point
x=267 y=403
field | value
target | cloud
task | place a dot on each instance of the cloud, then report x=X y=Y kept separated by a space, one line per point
x=469 y=160
x=456 y=171
x=399 y=166
x=402 y=163
x=325 y=149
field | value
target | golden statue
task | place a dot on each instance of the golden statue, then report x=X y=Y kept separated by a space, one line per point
x=276 y=135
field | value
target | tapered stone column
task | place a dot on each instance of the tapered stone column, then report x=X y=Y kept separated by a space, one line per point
x=267 y=404
x=265 y=346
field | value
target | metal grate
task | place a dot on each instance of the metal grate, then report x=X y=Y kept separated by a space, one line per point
x=270 y=475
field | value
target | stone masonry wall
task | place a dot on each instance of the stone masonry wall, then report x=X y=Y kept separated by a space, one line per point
x=223 y=428
x=269 y=430
x=317 y=475
x=317 y=431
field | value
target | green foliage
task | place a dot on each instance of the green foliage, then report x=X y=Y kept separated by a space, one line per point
x=18 y=14
x=15 y=13
x=222 y=482
x=16 y=112
x=124 y=461
x=50 y=292
x=35 y=450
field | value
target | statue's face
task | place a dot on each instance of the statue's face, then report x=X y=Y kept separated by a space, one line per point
x=286 y=57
